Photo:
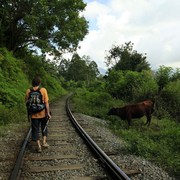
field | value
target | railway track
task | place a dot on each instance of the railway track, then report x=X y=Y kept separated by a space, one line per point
x=68 y=157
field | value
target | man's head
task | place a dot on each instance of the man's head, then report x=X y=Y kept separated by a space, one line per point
x=36 y=81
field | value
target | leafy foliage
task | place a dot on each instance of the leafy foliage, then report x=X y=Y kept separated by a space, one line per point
x=131 y=85
x=170 y=97
x=13 y=81
x=125 y=58
x=163 y=77
x=93 y=103
x=16 y=77
x=79 y=69
x=52 y=26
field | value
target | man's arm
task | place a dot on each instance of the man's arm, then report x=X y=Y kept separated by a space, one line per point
x=47 y=109
x=46 y=101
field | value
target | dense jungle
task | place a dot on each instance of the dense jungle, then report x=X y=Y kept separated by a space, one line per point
x=33 y=39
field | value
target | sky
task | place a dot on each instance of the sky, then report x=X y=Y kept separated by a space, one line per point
x=152 y=25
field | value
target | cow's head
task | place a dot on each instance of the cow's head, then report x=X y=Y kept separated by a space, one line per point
x=112 y=111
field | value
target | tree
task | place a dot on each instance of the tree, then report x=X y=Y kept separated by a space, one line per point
x=176 y=75
x=163 y=77
x=125 y=58
x=79 y=69
x=92 y=68
x=53 y=26
x=168 y=81
x=63 y=68
x=131 y=85
x=170 y=98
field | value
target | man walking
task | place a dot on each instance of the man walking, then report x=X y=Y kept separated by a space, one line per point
x=37 y=102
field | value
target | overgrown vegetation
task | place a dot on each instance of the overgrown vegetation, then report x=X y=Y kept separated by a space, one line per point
x=16 y=77
x=159 y=143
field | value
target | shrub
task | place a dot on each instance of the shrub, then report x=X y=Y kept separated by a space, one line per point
x=131 y=86
x=171 y=99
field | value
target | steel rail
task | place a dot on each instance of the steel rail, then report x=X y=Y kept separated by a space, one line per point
x=17 y=167
x=113 y=170
x=16 y=170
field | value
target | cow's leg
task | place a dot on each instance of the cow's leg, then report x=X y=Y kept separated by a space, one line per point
x=146 y=120
x=148 y=117
x=129 y=121
x=149 y=120
x=129 y=118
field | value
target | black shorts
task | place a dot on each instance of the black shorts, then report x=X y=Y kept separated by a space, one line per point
x=36 y=123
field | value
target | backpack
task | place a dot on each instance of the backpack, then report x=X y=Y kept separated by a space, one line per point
x=35 y=103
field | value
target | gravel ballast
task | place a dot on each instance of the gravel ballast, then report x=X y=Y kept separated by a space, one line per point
x=105 y=139
x=148 y=170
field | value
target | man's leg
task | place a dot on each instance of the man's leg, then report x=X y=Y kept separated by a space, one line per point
x=44 y=132
x=35 y=133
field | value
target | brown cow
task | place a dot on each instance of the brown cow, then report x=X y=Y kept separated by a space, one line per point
x=138 y=110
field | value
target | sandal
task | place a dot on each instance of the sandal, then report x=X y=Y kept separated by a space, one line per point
x=46 y=145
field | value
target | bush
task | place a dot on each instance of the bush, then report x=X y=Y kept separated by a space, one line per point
x=147 y=87
x=14 y=82
x=131 y=86
x=12 y=115
x=171 y=99
x=92 y=103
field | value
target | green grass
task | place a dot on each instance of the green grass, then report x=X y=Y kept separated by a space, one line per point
x=160 y=143
x=13 y=128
